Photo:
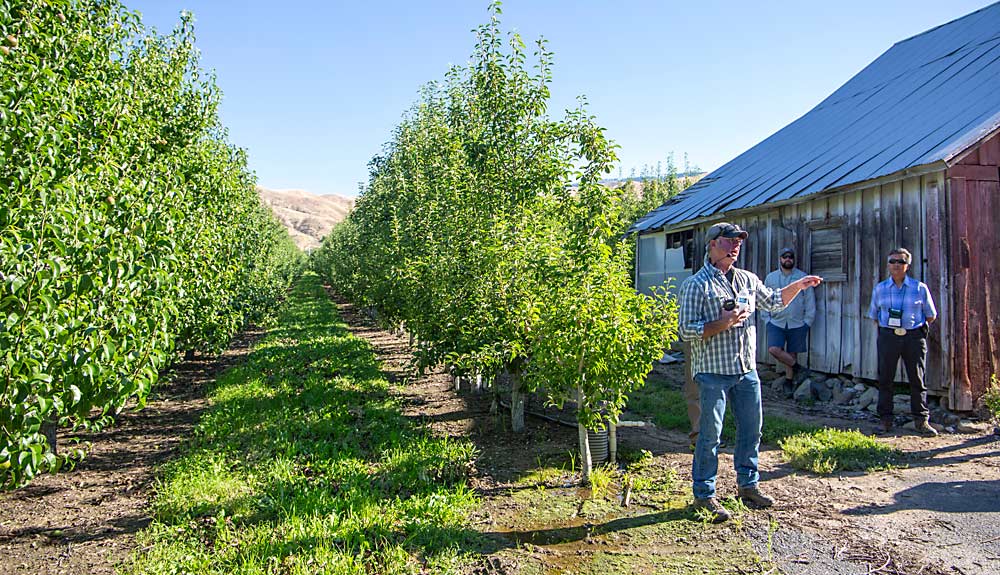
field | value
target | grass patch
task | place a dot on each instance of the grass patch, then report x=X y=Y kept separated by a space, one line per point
x=667 y=408
x=828 y=450
x=304 y=463
x=991 y=399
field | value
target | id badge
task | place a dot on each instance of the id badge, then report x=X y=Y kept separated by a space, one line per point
x=895 y=318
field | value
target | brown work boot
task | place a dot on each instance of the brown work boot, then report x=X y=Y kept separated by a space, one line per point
x=717 y=513
x=924 y=428
x=752 y=497
x=885 y=425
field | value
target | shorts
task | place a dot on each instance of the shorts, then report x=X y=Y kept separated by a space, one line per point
x=792 y=340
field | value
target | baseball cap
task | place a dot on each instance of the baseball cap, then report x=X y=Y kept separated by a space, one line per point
x=786 y=251
x=725 y=230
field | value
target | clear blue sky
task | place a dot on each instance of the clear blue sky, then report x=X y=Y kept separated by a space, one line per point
x=312 y=89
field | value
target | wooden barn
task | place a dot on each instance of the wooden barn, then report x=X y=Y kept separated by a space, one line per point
x=905 y=154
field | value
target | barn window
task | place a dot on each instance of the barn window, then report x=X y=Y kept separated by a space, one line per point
x=827 y=250
x=683 y=245
x=650 y=263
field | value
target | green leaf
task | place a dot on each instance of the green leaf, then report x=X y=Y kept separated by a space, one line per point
x=85 y=284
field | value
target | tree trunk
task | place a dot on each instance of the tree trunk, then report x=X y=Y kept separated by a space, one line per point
x=49 y=428
x=516 y=403
x=612 y=441
x=586 y=465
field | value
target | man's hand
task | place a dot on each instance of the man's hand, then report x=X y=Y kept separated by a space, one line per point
x=809 y=281
x=726 y=320
x=789 y=292
x=734 y=316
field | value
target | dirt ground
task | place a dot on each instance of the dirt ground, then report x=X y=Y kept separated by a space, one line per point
x=84 y=520
x=938 y=515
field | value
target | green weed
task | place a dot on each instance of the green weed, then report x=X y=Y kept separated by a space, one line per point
x=991 y=399
x=828 y=450
x=601 y=478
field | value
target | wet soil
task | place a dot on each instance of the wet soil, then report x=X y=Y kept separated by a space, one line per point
x=84 y=520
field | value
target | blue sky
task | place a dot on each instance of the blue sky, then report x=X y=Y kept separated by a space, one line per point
x=313 y=89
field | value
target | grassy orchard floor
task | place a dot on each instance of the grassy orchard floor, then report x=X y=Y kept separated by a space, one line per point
x=309 y=461
x=305 y=464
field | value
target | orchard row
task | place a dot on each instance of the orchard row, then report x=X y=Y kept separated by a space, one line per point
x=130 y=228
x=485 y=232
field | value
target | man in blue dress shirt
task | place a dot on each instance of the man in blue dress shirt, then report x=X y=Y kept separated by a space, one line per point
x=903 y=308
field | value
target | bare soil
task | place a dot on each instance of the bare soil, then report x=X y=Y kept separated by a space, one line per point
x=84 y=520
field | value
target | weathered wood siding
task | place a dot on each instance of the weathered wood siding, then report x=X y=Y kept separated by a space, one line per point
x=975 y=270
x=910 y=213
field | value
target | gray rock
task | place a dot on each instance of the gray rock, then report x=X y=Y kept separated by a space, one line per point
x=770 y=374
x=860 y=387
x=966 y=426
x=777 y=385
x=843 y=396
x=868 y=396
x=912 y=426
x=872 y=407
x=900 y=404
x=821 y=391
x=831 y=382
x=951 y=419
x=804 y=391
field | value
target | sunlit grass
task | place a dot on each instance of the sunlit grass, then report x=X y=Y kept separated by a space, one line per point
x=828 y=450
x=305 y=464
x=667 y=408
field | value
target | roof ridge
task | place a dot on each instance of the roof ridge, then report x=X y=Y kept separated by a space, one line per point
x=948 y=23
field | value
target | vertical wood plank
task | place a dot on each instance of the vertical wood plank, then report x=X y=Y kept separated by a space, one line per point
x=961 y=395
x=933 y=271
x=870 y=274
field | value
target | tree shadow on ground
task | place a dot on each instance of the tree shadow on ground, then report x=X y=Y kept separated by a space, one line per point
x=580 y=530
x=944 y=497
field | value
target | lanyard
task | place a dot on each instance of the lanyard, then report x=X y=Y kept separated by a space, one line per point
x=902 y=296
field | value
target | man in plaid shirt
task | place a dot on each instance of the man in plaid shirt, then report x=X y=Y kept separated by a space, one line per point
x=716 y=306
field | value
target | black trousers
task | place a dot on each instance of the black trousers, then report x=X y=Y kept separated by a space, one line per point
x=912 y=348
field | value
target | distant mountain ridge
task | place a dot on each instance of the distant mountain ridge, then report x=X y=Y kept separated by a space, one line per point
x=308 y=217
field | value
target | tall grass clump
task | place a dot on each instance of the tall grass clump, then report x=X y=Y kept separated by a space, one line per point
x=828 y=450
x=991 y=399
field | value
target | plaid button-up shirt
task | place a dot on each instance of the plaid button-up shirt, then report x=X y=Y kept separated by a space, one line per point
x=734 y=351
x=914 y=299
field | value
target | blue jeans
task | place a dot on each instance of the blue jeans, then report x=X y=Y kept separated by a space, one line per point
x=743 y=392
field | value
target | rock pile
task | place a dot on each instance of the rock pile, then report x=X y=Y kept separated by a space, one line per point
x=843 y=397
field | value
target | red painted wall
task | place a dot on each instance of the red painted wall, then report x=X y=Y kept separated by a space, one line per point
x=974 y=195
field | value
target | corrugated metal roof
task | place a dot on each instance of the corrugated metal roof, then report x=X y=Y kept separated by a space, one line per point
x=923 y=101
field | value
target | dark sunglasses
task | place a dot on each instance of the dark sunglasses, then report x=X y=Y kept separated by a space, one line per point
x=788 y=257
x=897 y=261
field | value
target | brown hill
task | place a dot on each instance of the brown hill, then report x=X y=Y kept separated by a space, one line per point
x=308 y=217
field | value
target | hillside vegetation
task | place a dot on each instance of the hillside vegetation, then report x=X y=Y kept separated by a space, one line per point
x=307 y=217
x=129 y=226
